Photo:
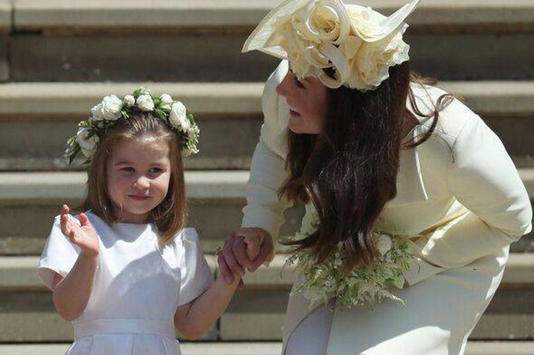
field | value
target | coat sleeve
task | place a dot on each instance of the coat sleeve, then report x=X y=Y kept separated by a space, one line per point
x=483 y=178
x=264 y=208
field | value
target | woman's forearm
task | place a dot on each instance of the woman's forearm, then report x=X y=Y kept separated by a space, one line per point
x=72 y=293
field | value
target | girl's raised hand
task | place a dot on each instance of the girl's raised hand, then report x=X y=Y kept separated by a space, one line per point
x=83 y=235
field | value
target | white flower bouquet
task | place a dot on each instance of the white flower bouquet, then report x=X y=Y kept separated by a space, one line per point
x=364 y=285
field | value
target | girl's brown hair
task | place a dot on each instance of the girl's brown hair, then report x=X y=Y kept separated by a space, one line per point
x=169 y=216
x=349 y=171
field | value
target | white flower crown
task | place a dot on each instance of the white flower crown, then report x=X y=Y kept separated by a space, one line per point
x=113 y=109
x=357 y=42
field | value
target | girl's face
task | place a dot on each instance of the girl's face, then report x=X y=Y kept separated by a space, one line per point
x=307 y=100
x=138 y=175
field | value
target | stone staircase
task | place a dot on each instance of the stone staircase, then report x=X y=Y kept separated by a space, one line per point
x=59 y=57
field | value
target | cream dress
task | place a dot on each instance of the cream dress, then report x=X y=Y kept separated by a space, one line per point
x=459 y=198
x=137 y=287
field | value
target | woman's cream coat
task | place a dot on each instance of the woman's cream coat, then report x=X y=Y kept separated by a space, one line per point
x=459 y=192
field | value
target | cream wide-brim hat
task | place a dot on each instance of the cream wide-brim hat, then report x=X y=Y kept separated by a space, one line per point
x=359 y=43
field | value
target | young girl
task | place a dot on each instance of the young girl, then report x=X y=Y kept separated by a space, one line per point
x=126 y=272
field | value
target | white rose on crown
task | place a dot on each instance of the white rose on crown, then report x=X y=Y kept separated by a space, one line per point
x=145 y=103
x=86 y=141
x=129 y=100
x=166 y=102
x=108 y=109
x=178 y=117
x=107 y=113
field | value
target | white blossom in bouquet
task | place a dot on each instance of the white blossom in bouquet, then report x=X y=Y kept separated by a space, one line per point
x=129 y=100
x=86 y=142
x=144 y=103
x=178 y=117
x=363 y=285
x=383 y=244
x=166 y=102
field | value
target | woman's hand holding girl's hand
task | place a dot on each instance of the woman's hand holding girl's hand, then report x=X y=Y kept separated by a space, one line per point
x=83 y=235
x=246 y=248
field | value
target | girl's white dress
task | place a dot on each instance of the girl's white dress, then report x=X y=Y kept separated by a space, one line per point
x=459 y=198
x=137 y=287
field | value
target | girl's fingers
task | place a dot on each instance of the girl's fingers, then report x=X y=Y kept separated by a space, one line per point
x=65 y=227
x=225 y=271
x=65 y=209
x=83 y=219
x=72 y=237
x=229 y=257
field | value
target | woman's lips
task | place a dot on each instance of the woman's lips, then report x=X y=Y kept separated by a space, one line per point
x=293 y=113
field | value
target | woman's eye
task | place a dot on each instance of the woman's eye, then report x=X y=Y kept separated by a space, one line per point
x=299 y=83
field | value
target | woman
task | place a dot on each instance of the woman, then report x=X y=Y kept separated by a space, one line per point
x=350 y=133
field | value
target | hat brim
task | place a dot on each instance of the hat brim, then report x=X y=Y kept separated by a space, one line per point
x=262 y=35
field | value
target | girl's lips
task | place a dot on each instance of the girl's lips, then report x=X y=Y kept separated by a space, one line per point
x=136 y=197
x=293 y=113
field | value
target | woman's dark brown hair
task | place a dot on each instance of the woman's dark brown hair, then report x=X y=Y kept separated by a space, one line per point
x=169 y=216
x=349 y=171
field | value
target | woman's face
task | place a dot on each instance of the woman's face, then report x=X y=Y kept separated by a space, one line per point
x=307 y=100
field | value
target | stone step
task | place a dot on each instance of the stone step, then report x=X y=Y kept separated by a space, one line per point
x=27 y=312
x=481 y=39
x=19 y=273
x=48 y=113
x=270 y=348
x=101 y=15
x=30 y=200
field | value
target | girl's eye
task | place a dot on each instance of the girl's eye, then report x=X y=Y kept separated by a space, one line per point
x=128 y=169
x=155 y=170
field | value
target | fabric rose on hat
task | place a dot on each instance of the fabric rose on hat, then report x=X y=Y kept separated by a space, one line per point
x=370 y=66
x=320 y=21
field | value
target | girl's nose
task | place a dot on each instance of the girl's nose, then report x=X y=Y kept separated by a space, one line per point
x=282 y=88
x=142 y=183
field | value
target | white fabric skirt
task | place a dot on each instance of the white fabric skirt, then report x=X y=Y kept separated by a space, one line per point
x=439 y=315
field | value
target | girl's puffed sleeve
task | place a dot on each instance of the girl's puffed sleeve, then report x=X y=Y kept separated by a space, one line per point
x=195 y=274
x=264 y=208
x=483 y=178
x=59 y=255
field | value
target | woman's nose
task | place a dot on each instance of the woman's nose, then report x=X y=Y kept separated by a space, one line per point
x=282 y=88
